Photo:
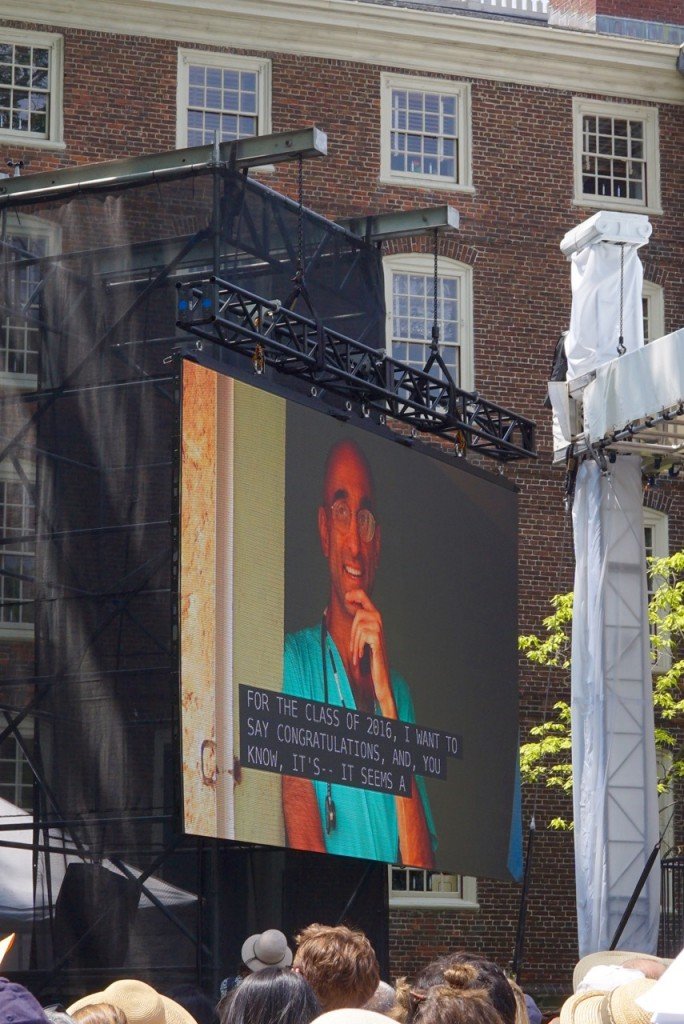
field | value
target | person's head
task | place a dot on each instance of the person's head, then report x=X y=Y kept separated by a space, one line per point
x=339 y=964
x=100 y=1013
x=275 y=995
x=347 y=525
x=456 y=999
x=650 y=966
x=383 y=999
x=487 y=976
x=139 y=1002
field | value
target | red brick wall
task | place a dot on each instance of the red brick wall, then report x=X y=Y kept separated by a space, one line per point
x=120 y=101
x=669 y=11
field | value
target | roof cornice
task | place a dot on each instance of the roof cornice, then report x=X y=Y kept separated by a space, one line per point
x=426 y=41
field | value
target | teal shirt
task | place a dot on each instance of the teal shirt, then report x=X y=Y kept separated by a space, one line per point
x=366 y=820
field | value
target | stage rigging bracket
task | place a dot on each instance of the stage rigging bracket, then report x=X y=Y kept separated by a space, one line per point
x=218 y=311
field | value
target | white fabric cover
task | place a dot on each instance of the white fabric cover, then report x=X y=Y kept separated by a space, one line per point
x=16 y=873
x=640 y=384
x=613 y=756
x=595 y=317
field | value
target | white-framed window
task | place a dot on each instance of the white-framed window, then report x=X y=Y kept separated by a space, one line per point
x=653 y=305
x=17 y=551
x=16 y=777
x=224 y=93
x=24 y=240
x=31 y=76
x=617 y=162
x=425 y=132
x=657 y=545
x=416 y=887
x=409 y=299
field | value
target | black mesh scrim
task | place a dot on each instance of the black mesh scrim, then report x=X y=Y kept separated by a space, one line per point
x=88 y=429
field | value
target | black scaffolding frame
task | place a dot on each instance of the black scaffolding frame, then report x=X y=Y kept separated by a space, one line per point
x=294 y=344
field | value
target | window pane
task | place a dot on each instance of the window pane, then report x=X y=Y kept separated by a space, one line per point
x=612 y=173
x=220 y=95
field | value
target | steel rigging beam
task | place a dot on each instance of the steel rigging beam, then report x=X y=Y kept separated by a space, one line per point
x=260 y=328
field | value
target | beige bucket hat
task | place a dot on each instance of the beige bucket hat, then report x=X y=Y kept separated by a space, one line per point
x=140 y=1002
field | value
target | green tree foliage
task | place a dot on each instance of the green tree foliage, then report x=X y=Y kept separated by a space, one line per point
x=546 y=757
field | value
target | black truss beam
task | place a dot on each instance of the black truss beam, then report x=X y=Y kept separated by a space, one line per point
x=228 y=315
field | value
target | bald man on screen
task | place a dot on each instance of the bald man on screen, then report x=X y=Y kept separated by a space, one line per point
x=343 y=661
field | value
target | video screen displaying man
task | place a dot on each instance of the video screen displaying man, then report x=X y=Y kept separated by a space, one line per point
x=342 y=660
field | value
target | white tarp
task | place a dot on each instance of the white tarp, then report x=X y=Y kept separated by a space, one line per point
x=16 y=872
x=613 y=756
x=606 y=280
x=634 y=387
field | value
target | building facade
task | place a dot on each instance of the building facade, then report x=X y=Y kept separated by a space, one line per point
x=527 y=118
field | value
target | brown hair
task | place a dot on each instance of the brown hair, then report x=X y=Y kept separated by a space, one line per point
x=339 y=964
x=100 y=1013
x=454 y=1001
x=485 y=975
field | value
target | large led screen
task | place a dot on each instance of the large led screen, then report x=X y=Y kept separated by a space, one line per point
x=348 y=636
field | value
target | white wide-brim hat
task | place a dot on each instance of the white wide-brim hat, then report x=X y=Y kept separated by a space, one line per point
x=609 y=957
x=140 y=1002
x=266 y=949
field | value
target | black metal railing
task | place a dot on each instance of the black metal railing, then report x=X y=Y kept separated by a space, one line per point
x=671 y=938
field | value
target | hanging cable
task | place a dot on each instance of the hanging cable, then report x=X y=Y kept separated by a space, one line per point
x=435 y=285
x=299 y=272
x=621 y=341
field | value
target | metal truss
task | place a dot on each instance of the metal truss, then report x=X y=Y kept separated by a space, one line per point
x=273 y=334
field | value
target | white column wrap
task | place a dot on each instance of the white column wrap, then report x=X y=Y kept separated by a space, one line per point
x=614 y=770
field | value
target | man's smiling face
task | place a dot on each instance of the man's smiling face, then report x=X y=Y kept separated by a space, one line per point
x=352 y=560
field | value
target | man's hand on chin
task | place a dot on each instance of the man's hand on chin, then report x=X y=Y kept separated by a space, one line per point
x=367 y=632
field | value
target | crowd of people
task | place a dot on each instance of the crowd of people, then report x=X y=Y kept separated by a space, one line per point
x=333 y=977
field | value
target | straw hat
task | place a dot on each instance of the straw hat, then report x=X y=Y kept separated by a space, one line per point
x=616 y=1007
x=140 y=1002
x=606 y=958
x=267 y=949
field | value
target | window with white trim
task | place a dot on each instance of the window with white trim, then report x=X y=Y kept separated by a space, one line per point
x=31 y=72
x=617 y=163
x=17 y=548
x=653 y=305
x=28 y=238
x=416 y=887
x=16 y=777
x=425 y=132
x=224 y=93
x=409 y=298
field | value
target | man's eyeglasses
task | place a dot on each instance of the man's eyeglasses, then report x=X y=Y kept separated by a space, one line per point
x=342 y=517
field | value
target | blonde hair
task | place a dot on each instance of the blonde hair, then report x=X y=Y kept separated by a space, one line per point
x=100 y=1013
x=521 y=1014
x=453 y=1001
x=339 y=964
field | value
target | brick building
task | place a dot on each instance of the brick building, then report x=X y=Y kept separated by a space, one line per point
x=527 y=118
